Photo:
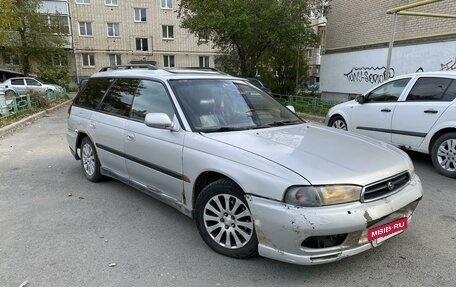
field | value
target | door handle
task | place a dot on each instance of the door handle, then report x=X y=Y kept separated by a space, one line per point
x=131 y=137
x=430 y=111
x=385 y=110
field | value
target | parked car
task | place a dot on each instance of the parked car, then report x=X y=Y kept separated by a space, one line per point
x=257 y=83
x=22 y=85
x=253 y=175
x=414 y=111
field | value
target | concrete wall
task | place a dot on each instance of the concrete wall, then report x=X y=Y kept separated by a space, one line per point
x=362 y=22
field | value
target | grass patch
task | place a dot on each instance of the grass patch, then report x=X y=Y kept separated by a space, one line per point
x=4 y=121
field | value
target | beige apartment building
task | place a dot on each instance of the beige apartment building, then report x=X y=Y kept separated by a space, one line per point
x=116 y=32
x=358 y=33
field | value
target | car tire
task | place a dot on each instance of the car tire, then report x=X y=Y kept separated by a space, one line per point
x=443 y=154
x=338 y=122
x=89 y=161
x=10 y=94
x=224 y=220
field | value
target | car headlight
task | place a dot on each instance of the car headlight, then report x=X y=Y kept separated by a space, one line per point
x=311 y=196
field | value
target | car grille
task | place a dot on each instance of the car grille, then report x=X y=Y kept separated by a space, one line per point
x=385 y=187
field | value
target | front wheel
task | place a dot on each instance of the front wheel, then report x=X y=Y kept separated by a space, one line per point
x=224 y=220
x=89 y=161
x=444 y=155
x=338 y=122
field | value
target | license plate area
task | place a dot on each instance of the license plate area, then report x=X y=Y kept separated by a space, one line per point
x=385 y=231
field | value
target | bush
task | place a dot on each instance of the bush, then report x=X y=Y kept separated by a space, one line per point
x=39 y=100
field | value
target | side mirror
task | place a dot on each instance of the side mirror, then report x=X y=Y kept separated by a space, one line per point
x=291 y=108
x=160 y=121
x=361 y=99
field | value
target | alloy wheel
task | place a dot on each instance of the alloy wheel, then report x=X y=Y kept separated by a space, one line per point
x=446 y=155
x=228 y=221
x=88 y=159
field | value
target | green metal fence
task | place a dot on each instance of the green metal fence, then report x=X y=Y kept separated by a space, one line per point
x=311 y=105
x=12 y=105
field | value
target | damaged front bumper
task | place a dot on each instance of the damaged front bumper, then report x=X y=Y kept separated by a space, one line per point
x=316 y=235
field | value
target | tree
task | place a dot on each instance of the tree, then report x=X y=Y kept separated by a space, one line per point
x=30 y=36
x=247 y=30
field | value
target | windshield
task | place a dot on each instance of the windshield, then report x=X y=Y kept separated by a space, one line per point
x=212 y=105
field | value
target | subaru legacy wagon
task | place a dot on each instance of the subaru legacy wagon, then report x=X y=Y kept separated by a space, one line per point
x=254 y=176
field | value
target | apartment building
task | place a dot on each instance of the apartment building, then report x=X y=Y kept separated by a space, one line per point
x=358 y=33
x=116 y=32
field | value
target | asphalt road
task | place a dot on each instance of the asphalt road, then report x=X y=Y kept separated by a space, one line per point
x=49 y=238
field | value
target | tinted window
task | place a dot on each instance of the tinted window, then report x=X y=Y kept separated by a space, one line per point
x=429 y=89
x=151 y=97
x=32 y=82
x=389 y=92
x=120 y=97
x=17 y=82
x=450 y=94
x=93 y=92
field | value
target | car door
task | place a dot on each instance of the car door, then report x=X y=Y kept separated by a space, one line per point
x=154 y=156
x=18 y=85
x=417 y=113
x=373 y=117
x=34 y=85
x=108 y=126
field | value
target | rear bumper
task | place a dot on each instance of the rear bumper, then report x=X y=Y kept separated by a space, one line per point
x=281 y=228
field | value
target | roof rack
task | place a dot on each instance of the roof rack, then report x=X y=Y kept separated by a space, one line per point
x=127 y=67
x=177 y=70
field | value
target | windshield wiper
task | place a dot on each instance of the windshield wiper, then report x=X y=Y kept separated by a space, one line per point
x=284 y=123
x=225 y=129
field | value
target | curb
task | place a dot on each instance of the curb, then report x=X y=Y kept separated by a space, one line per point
x=313 y=118
x=19 y=123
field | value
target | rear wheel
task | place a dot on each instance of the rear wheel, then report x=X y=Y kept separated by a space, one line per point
x=10 y=94
x=89 y=161
x=444 y=154
x=224 y=220
x=338 y=122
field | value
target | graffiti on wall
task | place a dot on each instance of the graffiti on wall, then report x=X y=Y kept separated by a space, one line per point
x=450 y=66
x=373 y=75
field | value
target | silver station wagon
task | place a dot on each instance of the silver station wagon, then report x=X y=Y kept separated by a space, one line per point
x=255 y=177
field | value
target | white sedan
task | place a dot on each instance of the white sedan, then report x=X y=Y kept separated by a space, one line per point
x=414 y=111
x=22 y=85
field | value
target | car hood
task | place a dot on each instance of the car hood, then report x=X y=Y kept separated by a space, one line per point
x=319 y=154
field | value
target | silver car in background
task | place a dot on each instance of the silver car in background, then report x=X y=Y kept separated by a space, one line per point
x=23 y=85
x=254 y=176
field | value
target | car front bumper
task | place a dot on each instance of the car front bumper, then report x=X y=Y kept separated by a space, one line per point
x=282 y=228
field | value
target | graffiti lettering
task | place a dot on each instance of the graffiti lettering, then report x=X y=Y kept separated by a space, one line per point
x=450 y=66
x=373 y=75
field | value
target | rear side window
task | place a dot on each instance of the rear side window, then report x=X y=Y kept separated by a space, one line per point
x=93 y=92
x=17 y=82
x=450 y=94
x=151 y=98
x=120 y=96
x=429 y=89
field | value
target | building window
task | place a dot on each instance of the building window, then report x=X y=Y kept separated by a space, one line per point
x=111 y=2
x=115 y=59
x=204 y=61
x=82 y=1
x=309 y=53
x=141 y=44
x=60 y=60
x=88 y=60
x=85 y=28
x=140 y=15
x=113 y=30
x=167 y=4
x=168 y=61
x=168 y=32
